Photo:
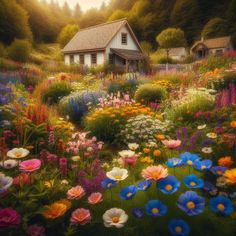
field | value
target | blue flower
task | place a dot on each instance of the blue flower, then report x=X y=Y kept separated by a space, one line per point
x=218 y=170
x=128 y=192
x=178 y=227
x=189 y=158
x=191 y=203
x=221 y=204
x=174 y=162
x=137 y=212
x=203 y=165
x=144 y=185
x=108 y=183
x=209 y=188
x=155 y=208
x=168 y=185
x=192 y=181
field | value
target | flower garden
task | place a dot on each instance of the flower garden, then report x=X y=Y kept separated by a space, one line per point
x=120 y=155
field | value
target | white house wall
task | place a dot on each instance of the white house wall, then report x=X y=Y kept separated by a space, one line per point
x=116 y=42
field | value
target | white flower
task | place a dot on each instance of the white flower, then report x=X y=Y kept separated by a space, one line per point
x=64 y=182
x=126 y=153
x=5 y=182
x=8 y=164
x=207 y=150
x=18 y=153
x=211 y=135
x=133 y=146
x=221 y=182
x=117 y=174
x=115 y=217
x=75 y=158
x=201 y=126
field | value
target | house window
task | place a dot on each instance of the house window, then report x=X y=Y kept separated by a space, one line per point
x=111 y=59
x=93 y=58
x=219 y=51
x=124 y=38
x=72 y=60
x=81 y=59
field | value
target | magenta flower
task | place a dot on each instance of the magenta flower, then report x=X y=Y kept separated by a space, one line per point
x=9 y=218
x=172 y=143
x=30 y=165
x=35 y=230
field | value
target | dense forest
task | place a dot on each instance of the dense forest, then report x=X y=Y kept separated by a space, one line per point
x=41 y=22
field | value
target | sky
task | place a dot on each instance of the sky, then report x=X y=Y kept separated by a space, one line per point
x=84 y=4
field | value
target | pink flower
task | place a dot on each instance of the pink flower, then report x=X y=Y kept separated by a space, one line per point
x=35 y=230
x=95 y=198
x=30 y=165
x=172 y=143
x=75 y=193
x=155 y=173
x=129 y=160
x=9 y=218
x=80 y=216
x=21 y=179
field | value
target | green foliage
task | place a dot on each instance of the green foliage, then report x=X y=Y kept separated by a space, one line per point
x=13 y=22
x=214 y=28
x=146 y=46
x=118 y=14
x=150 y=93
x=67 y=33
x=56 y=91
x=171 y=38
x=19 y=50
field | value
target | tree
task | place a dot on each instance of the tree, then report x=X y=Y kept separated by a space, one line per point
x=185 y=15
x=171 y=38
x=118 y=14
x=77 y=11
x=67 y=33
x=66 y=9
x=13 y=22
x=146 y=46
x=216 y=27
x=19 y=50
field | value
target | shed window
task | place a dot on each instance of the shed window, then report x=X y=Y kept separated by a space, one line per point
x=124 y=38
x=81 y=59
x=219 y=51
x=72 y=60
x=93 y=58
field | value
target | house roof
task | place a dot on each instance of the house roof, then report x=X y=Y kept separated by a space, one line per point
x=176 y=51
x=128 y=54
x=221 y=42
x=96 y=37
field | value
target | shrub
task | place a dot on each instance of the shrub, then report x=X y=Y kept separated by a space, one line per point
x=142 y=129
x=195 y=100
x=106 y=123
x=56 y=91
x=19 y=50
x=77 y=104
x=150 y=93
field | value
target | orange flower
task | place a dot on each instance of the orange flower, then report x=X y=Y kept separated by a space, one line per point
x=56 y=209
x=160 y=136
x=155 y=173
x=225 y=161
x=75 y=193
x=233 y=124
x=157 y=153
x=230 y=176
x=146 y=150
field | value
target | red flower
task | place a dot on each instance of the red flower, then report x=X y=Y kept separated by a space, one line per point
x=9 y=218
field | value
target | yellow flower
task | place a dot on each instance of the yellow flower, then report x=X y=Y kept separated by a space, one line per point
x=230 y=176
x=147 y=160
x=56 y=209
x=49 y=184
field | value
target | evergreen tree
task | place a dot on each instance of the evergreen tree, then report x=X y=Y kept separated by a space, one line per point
x=77 y=11
x=66 y=9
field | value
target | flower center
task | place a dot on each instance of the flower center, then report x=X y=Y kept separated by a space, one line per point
x=109 y=185
x=192 y=184
x=203 y=167
x=168 y=187
x=155 y=210
x=18 y=154
x=118 y=177
x=191 y=205
x=144 y=187
x=128 y=194
x=220 y=207
x=155 y=175
x=219 y=172
x=178 y=229
x=115 y=219
x=189 y=162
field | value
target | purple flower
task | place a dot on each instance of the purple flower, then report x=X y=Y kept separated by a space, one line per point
x=35 y=230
